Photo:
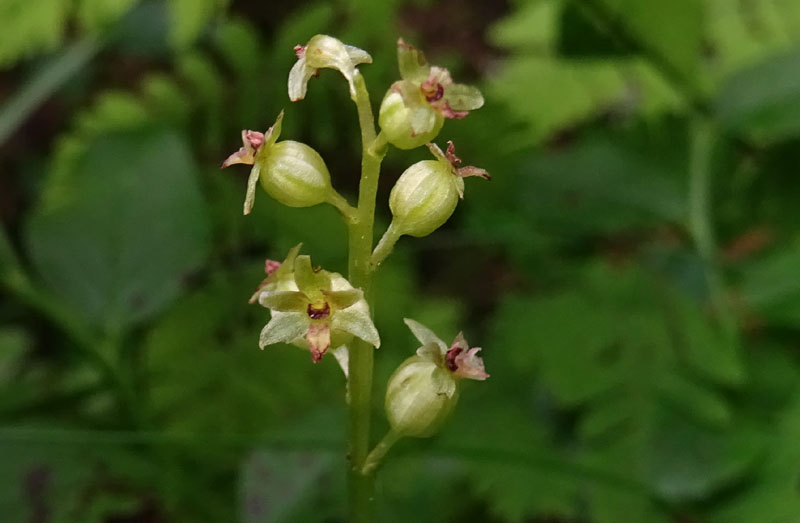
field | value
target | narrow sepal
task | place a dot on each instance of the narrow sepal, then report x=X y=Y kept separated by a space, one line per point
x=274 y=132
x=462 y=97
x=357 y=323
x=424 y=334
x=284 y=301
x=342 y=355
x=343 y=299
x=412 y=63
x=431 y=352
x=299 y=76
x=310 y=282
x=283 y=327
x=252 y=183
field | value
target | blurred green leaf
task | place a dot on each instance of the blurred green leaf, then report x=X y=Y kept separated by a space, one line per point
x=188 y=18
x=407 y=483
x=59 y=482
x=763 y=101
x=275 y=486
x=670 y=29
x=771 y=287
x=45 y=80
x=8 y=258
x=688 y=461
x=604 y=349
x=771 y=496
x=742 y=34
x=116 y=232
x=703 y=345
x=540 y=479
x=31 y=27
x=551 y=93
x=14 y=344
x=98 y=14
x=598 y=187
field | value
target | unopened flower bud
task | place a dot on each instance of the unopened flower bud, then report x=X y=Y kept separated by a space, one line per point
x=424 y=389
x=427 y=193
x=413 y=111
x=420 y=397
x=291 y=172
x=295 y=174
x=423 y=198
x=401 y=122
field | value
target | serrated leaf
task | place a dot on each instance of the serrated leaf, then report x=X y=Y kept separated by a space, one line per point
x=533 y=478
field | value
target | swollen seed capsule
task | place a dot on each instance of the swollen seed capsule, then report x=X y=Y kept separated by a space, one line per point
x=419 y=397
x=423 y=198
x=295 y=174
x=395 y=119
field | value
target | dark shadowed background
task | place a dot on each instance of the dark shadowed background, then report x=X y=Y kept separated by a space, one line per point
x=632 y=270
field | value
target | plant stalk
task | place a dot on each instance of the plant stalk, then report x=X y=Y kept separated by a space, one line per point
x=360 y=486
x=700 y=222
x=385 y=246
x=375 y=457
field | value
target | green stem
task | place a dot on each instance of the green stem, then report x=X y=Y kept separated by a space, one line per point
x=700 y=223
x=349 y=212
x=385 y=246
x=360 y=486
x=376 y=456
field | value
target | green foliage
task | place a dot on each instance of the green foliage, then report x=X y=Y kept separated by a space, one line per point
x=129 y=365
x=98 y=243
x=29 y=28
x=280 y=486
x=762 y=101
x=549 y=92
x=189 y=17
x=95 y=15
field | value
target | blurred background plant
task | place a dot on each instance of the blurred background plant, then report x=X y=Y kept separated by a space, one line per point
x=632 y=270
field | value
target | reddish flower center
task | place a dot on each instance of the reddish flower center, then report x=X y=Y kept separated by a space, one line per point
x=318 y=312
x=450 y=358
x=432 y=90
